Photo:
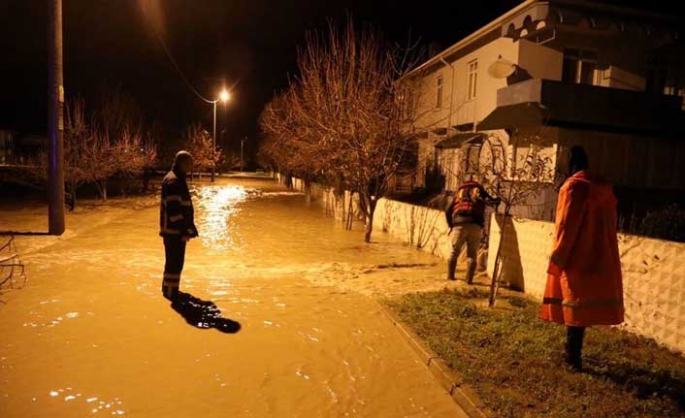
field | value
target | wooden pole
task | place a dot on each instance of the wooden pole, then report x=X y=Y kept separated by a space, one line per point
x=55 y=120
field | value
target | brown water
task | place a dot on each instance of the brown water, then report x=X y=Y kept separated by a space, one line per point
x=90 y=334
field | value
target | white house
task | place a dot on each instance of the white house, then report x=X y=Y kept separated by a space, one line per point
x=571 y=72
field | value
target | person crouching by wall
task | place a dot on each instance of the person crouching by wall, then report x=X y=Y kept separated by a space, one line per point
x=584 y=282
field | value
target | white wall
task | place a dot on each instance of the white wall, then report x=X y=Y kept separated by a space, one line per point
x=653 y=276
x=541 y=61
x=422 y=227
x=653 y=271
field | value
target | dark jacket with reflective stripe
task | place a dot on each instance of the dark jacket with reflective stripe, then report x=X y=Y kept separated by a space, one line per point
x=176 y=214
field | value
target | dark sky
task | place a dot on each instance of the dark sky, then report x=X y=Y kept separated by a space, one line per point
x=250 y=43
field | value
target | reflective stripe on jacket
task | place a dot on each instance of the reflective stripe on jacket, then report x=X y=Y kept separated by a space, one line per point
x=176 y=214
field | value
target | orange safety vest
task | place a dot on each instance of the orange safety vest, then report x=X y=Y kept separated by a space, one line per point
x=468 y=202
x=584 y=283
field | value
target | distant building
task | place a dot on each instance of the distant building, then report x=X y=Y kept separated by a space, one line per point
x=574 y=72
x=7 y=146
x=18 y=149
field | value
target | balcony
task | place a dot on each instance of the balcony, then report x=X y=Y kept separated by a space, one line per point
x=554 y=103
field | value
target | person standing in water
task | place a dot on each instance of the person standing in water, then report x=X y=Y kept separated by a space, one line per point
x=176 y=222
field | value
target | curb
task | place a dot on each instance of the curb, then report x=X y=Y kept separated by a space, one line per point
x=452 y=382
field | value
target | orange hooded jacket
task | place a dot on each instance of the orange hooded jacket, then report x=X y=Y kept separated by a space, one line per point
x=584 y=283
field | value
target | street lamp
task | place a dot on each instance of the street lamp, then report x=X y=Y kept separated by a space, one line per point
x=224 y=97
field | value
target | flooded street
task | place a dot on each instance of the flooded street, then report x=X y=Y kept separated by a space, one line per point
x=90 y=334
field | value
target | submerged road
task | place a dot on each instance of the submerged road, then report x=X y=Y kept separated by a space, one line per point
x=90 y=334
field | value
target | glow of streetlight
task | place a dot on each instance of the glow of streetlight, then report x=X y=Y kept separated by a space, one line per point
x=224 y=96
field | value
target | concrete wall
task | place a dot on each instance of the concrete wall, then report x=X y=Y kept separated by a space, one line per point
x=653 y=276
x=337 y=206
x=422 y=227
x=653 y=271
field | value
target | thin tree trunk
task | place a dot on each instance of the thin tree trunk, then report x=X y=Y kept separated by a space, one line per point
x=369 y=220
x=73 y=195
x=329 y=210
x=349 y=219
x=307 y=191
x=102 y=188
x=494 y=283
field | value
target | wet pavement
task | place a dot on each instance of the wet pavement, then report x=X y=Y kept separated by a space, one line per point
x=279 y=316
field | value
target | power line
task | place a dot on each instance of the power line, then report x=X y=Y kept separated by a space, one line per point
x=178 y=69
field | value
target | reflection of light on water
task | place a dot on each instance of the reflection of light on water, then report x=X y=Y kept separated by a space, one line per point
x=217 y=205
x=100 y=406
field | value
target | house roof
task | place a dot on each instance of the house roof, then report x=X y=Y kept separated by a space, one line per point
x=522 y=12
x=473 y=37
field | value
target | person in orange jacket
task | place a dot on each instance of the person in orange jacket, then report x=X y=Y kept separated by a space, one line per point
x=584 y=283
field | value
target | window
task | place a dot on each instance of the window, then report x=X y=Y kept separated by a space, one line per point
x=666 y=77
x=497 y=158
x=473 y=79
x=438 y=94
x=580 y=67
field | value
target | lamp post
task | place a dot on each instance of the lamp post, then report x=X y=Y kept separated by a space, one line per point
x=224 y=97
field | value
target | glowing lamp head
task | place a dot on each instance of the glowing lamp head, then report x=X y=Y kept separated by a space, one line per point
x=224 y=96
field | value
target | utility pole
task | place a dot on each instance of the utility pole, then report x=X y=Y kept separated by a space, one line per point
x=242 y=142
x=55 y=120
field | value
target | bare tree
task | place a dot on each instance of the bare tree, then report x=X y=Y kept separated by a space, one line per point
x=342 y=119
x=95 y=148
x=290 y=146
x=117 y=112
x=118 y=127
x=99 y=160
x=132 y=154
x=76 y=133
x=517 y=180
x=199 y=143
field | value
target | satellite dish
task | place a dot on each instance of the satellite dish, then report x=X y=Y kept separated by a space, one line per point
x=501 y=68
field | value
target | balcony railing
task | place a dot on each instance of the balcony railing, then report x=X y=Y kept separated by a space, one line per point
x=597 y=106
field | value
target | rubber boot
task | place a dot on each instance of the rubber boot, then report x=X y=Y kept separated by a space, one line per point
x=470 y=270
x=170 y=292
x=574 y=348
x=451 y=269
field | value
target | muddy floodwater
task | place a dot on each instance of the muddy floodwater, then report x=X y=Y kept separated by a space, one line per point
x=90 y=335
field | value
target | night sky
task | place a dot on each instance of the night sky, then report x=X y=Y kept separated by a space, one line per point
x=249 y=44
